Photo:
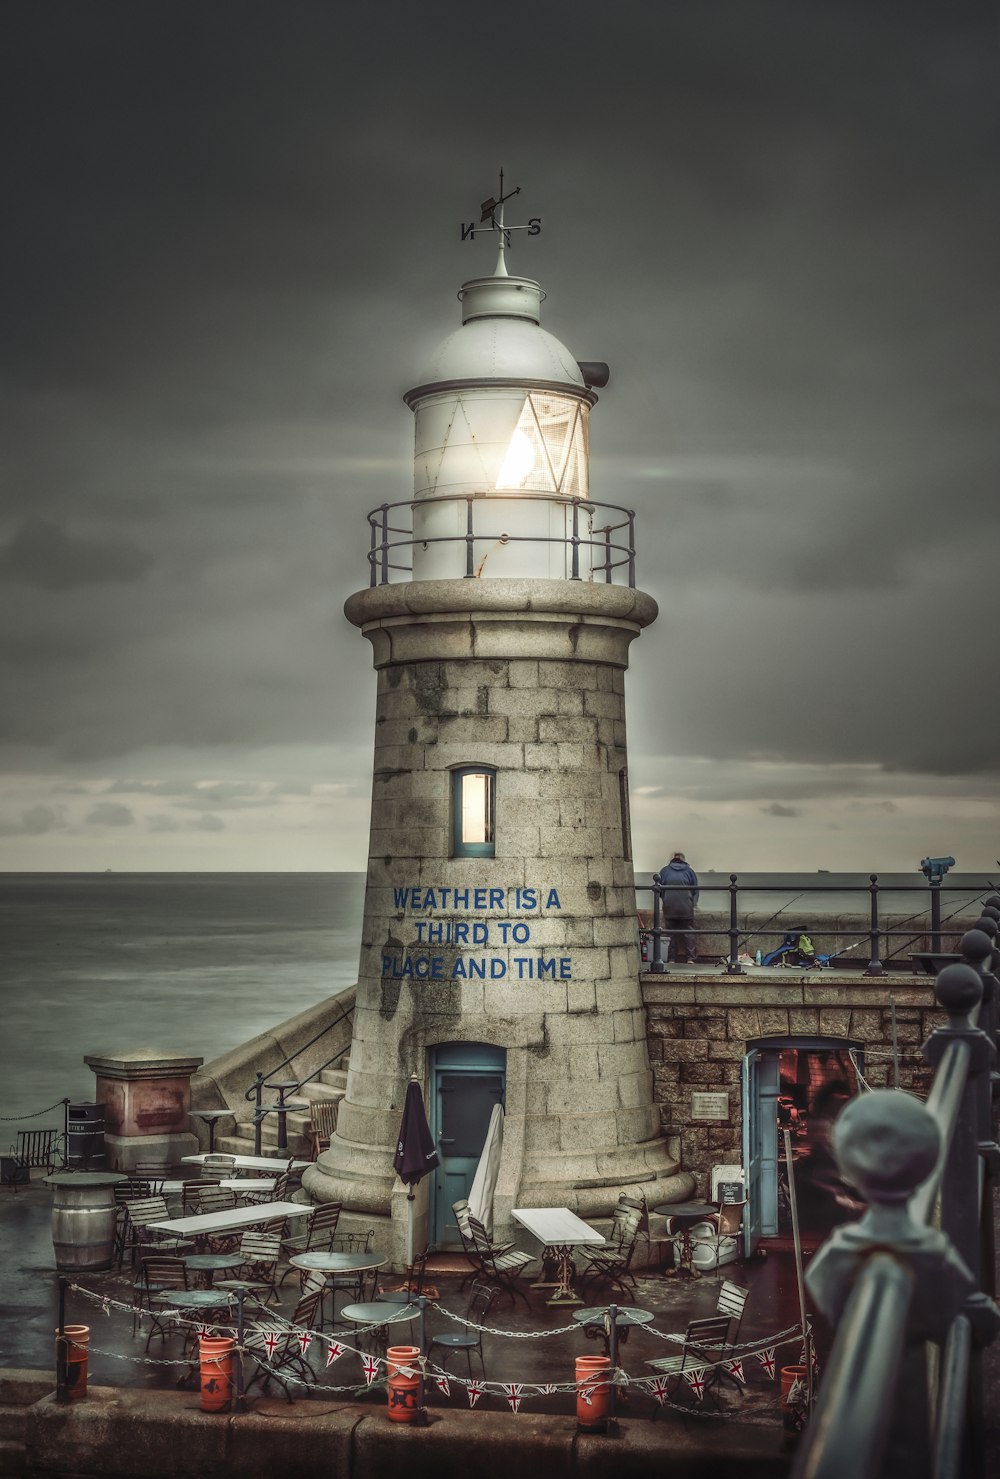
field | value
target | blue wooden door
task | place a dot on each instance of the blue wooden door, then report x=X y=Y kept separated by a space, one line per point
x=467 y=1080
x=761 y=1081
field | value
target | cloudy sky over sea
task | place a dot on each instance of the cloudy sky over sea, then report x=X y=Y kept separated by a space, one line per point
x=233 y=235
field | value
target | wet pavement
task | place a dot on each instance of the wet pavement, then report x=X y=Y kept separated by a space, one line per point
x=534 y=1344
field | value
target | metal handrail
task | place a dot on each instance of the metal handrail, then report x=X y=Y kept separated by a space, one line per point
x=388 y=537
x=255 y=1092
x=876 y=933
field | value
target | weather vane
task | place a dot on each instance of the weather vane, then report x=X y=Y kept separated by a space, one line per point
x=491 y=211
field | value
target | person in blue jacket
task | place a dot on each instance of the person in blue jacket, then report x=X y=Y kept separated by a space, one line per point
x=680 y=895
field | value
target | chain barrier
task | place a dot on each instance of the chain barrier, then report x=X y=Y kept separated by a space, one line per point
x=275 y=1325
x=10 y=1119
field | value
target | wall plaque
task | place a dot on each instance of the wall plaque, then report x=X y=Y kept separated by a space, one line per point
x=705 y=1106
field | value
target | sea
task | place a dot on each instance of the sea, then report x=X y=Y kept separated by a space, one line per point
x=200 y=962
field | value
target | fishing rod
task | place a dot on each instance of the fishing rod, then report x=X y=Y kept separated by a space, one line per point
x=776 y=915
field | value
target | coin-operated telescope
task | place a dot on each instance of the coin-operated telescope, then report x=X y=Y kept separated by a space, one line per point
x=934 y=869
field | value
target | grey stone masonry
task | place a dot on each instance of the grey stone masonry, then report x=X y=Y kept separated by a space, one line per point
x=699 y=1029
x=535 y=949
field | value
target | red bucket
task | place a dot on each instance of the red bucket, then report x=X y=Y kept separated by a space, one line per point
x=216 y=1357
x=77 y=1339
x=593 y=1392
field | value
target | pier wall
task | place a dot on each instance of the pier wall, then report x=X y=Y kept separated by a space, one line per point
x=127 y=1432
x=699 y=1028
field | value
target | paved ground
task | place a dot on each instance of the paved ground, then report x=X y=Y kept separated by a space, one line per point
x=516 y=1353
x=521 y=1354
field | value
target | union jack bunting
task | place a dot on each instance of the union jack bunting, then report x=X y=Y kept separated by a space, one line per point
x=586 y=1394
x=658 y=1388
x=370 y=1364
x=304 y=1339
x=735 y=1369
x=475 y=1390
x=204 y=1331
x=549 y=1386
x=106 y=1306
x=271 y=1342
x=512 y=1391
x=443 y=1385
x=695 y=1379
x=334 y=1351
x=766 y=1359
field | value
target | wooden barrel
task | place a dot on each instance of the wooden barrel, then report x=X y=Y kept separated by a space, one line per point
x=83 y=1222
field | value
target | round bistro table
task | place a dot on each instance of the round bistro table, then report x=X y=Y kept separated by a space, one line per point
x=686 y=1214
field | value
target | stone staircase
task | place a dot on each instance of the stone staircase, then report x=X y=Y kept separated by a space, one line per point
x=330 y=1083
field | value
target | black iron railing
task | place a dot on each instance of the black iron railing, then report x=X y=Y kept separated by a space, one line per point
x=255 y=1092
x=913 y=1302
x=738 y=895
x=611 y=544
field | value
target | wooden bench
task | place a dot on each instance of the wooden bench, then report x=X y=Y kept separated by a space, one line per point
x=31 y=1150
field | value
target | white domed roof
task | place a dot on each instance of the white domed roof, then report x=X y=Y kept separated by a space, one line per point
x=502 y=349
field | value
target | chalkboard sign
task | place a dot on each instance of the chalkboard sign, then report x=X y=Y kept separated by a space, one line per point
x=731 y=1192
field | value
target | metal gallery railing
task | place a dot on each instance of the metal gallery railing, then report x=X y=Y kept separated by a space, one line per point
x=910 y=1287
x=255 y=1093
x=736 y=896
x=611 y=543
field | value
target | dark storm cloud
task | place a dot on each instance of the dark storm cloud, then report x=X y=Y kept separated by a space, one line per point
x=233 y=237
x=33 y=821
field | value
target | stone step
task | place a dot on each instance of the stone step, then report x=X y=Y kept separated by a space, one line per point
x=335 y=1077
x=13 y=1423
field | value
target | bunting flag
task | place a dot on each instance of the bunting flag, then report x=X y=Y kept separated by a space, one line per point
x=370 y=1364
x=735 y=1369
x=695 y=1379
x=443 y=1385
x=766 y=1359
x=512 y=1391
x=304 y=1339
x=204 y=1331
x=586 y=1394
x=335 y=1351
x=475 y=1390
x=658 y=1388
x=549 y=1387
x=271 y=1342
x=106 y=1306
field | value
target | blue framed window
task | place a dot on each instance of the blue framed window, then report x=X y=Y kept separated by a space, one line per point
x=473 y=800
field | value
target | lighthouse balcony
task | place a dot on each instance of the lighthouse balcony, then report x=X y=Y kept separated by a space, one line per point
x=501 y=535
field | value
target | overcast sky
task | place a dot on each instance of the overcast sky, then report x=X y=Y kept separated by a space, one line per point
x=232 y=236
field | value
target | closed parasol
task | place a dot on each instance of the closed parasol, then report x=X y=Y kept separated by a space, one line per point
x=416 y=1153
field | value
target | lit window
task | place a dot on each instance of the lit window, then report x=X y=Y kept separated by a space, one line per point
x=473 y=800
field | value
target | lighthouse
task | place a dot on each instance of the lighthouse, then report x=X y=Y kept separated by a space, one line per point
x=499 y=957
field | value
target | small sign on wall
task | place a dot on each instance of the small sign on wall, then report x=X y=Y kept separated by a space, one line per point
x=705 y=1106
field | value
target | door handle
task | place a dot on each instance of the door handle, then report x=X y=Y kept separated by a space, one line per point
x=447 y=1139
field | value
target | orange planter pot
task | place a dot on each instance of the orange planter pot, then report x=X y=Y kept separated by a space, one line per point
x=593 y=1392
x=404 y=1391
x=216 y=1356
x=793 y=1412
x=77 y=1356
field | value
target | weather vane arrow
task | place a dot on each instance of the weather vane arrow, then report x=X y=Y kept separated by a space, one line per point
x=492 y=211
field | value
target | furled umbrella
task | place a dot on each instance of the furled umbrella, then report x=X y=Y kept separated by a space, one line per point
x=484 y=1183
x=415 y=1153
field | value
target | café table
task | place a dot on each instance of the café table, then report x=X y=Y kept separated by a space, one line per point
x=331 y=1264
x=685 y=1214
x=204 y=1225
x=380 y=1316
x=597 y=1325
x=560 y=1232
x=262 y=1163
x=211 y=1118
x=196 y=1303
x=207 y=1264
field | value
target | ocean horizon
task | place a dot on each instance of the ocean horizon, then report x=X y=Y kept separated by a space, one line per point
x=110 y=962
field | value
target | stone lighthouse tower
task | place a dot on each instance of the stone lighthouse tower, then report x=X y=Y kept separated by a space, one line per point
x=499 y=956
